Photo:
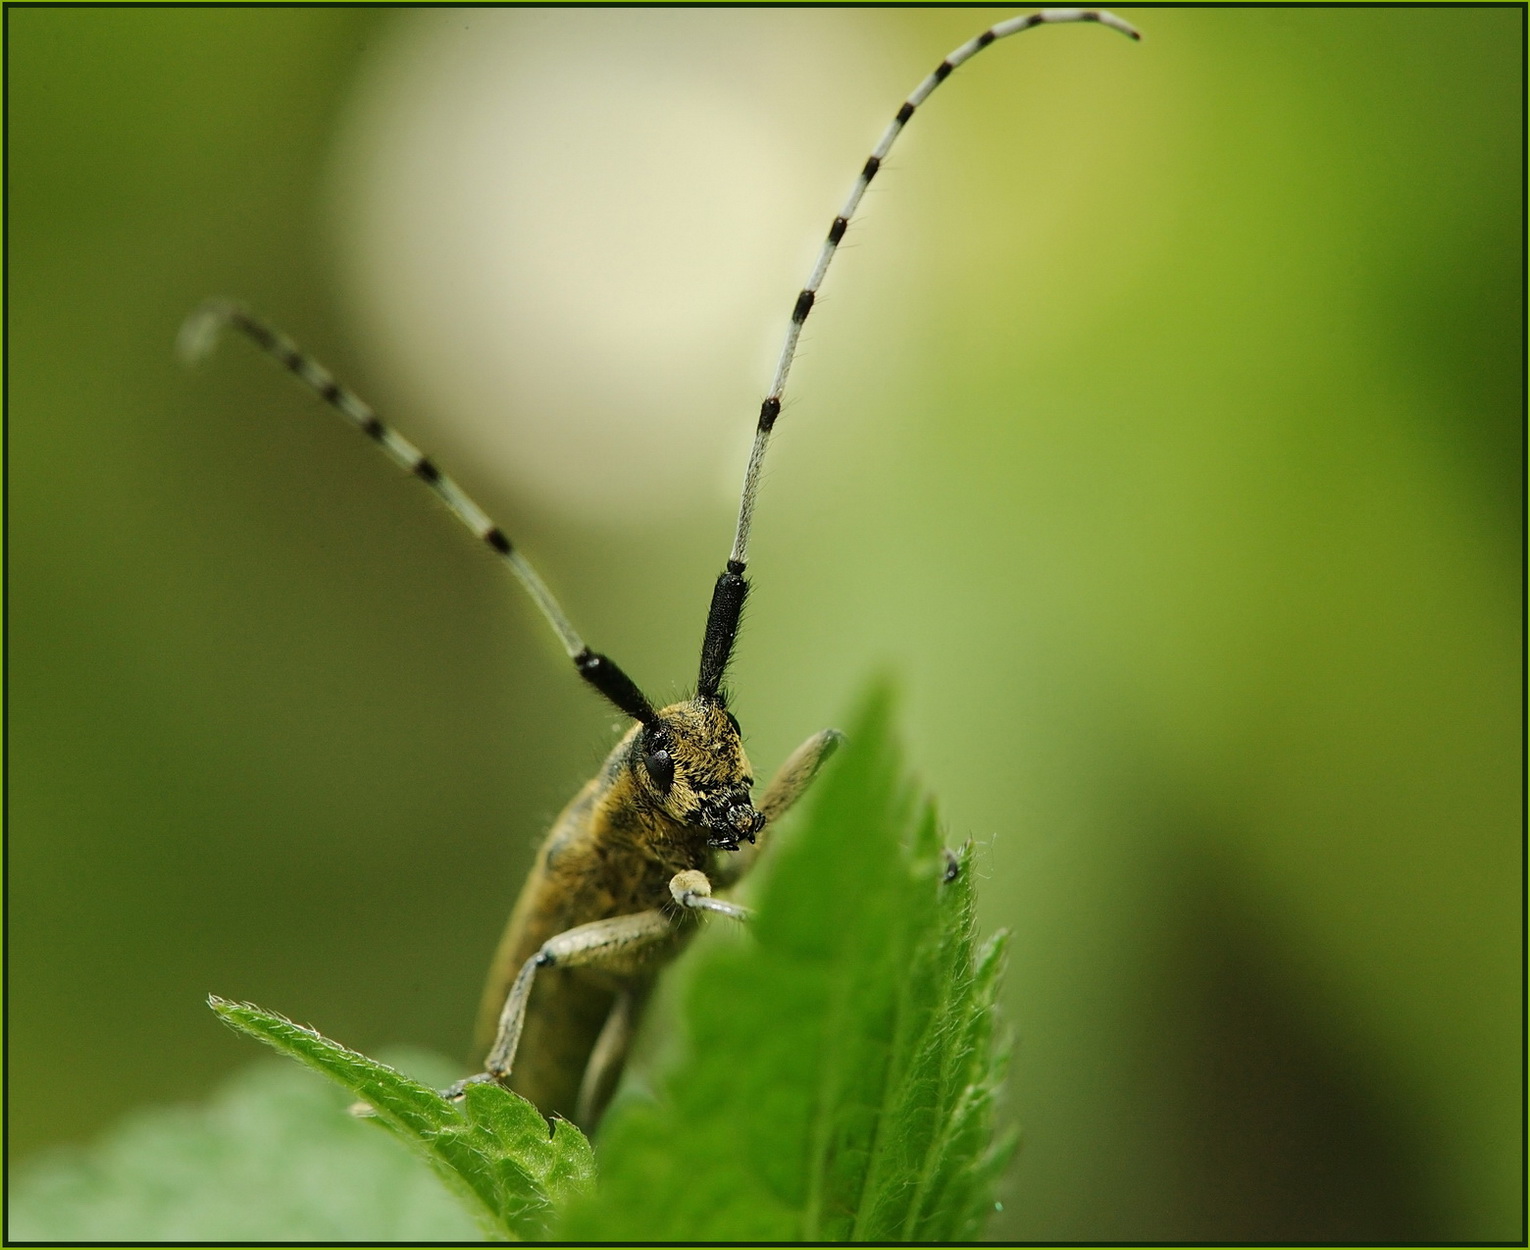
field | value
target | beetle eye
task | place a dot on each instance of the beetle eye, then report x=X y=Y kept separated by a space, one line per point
x=661 y=769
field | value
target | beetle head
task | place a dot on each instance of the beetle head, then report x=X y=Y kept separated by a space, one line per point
x=691 y=759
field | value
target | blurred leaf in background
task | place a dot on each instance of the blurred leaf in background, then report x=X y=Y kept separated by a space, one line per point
x=1160 y=428
x=272 y=1156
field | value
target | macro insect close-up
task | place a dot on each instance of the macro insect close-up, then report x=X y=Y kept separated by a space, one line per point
x=630 y=863
x=1118 y=440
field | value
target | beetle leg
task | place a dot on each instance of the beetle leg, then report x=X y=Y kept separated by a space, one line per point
x=692 y=889
x=610 y=1054
x=793 y=777
x=788 y=785
x=609 y=941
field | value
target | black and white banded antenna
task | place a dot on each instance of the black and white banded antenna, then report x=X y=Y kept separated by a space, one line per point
x=731 y=589
x=197 y=338
x=200 y=333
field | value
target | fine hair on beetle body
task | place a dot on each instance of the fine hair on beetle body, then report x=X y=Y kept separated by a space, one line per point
x=633 y=864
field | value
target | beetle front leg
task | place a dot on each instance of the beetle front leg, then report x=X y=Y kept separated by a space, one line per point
x=611 y=941
x=692 y=889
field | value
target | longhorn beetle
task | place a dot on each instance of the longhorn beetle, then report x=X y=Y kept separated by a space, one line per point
x=620 y=883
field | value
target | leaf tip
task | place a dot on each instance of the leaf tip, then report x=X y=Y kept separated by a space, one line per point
x=227 y=1009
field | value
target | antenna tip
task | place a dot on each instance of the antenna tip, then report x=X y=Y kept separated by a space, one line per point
x=1106 y=18
x=199 y=332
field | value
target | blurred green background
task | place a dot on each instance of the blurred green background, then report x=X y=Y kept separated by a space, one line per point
x=1161 y=432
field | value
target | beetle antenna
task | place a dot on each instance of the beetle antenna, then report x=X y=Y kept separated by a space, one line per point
x=731 y=589
x=197 y=338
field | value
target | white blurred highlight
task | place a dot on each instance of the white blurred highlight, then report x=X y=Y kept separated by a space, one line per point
x=571 y=239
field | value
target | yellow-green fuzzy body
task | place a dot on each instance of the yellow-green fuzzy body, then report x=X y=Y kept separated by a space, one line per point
x=611 y=852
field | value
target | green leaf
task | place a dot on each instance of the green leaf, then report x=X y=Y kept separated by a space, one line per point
x=840 y=1064
x=493 y=1147
x=271 y=1156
